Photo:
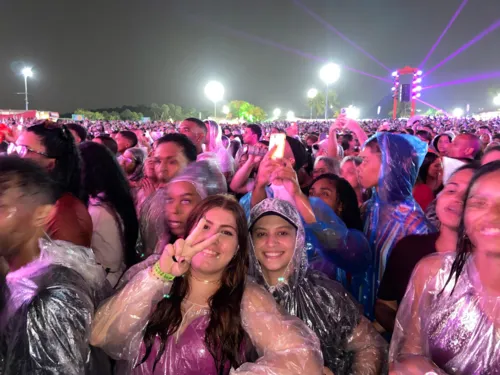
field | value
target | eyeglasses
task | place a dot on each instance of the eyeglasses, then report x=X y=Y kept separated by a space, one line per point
x=22 y=150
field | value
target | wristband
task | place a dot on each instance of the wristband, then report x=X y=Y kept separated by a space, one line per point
x=162 y=275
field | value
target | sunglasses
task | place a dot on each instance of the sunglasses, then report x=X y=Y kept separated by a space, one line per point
x=22 y=150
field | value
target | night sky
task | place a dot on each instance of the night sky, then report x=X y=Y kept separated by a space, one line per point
x=105 y=53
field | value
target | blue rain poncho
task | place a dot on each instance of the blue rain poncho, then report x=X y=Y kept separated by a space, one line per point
x=392 y=213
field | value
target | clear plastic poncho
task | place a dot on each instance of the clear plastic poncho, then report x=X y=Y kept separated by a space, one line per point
x=207 y=179
x=441 y=332
x=284 y=344
x=349 y=342
x=46 y=323
x=392 y=213
x=331 y=247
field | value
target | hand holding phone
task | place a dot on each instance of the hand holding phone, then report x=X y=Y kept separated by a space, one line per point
x=278 y=140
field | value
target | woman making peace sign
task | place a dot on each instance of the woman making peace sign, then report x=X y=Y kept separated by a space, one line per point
x=194 y=313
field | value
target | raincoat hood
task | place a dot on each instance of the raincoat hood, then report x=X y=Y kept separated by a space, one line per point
x=402 y=156
x=205 y=176
x=298 y=264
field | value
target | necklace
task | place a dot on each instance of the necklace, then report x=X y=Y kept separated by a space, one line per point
x=205 y=281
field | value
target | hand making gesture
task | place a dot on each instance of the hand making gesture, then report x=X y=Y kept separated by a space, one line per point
x=176 y=258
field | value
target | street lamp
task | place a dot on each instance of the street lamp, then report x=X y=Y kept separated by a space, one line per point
x=225 y=110
x=27 y=73
x=277 y=112
x=214 y=92
x=458 y=112
x=496 y=100
x=311 y=94
x=290 y=115
x=329 y=74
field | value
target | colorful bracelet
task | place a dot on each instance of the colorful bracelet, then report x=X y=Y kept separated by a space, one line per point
x=162 y=275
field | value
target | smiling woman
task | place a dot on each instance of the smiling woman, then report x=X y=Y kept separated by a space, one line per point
x=207 y=321
x=464 y=285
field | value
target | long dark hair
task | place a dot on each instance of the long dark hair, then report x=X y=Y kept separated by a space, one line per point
x=60 y=145
x=224 y=336
x=464 y=244
x=346 y=196
x=423 y=172
x=103 y=177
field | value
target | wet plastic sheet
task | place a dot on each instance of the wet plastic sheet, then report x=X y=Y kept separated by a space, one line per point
x=448 y=333
x=349 y=342
x=45 y=326
x=284 y=343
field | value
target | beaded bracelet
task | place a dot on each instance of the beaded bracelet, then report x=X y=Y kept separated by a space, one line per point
x=162 y=275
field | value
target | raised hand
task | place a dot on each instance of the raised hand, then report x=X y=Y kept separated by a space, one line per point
x=185 y=250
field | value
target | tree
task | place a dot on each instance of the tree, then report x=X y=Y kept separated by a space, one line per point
x=247 y=111
x=127 y=115
x=318 y=103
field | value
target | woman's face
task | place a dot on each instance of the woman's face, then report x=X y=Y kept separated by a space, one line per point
x=349 y=172
x=36 y=149
x=436 y=168
x=449 y=204
x=320 y=168
x=482 y=215
x=490 y=156
x=181 y=199
x=443 y=144
x=324 y=189
x=215 y=258
x=369 y=170
x=243 y=160
x=274 y=242
x=127 y=162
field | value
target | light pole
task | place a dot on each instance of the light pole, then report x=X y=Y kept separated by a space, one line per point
x=214 y=92
x=277 y=112
x=27 y=72
x=311 y=94
x=329 y=74
x=496 y=100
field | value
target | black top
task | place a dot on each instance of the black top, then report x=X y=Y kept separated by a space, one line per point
x=403 y=259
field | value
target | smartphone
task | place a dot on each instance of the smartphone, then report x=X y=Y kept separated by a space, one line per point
x=278 y=140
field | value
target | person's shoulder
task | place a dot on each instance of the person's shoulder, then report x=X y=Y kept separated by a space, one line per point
x=257 y=298
x=429 y=266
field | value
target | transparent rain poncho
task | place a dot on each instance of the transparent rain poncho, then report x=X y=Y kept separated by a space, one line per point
x=45 y=325
x=207 y=179
x=443 y=332
x=331 y=246
x=349 y=342
x=392 y=213
x=284 y=344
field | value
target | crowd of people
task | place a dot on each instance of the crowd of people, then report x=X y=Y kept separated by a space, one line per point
x=368 y=247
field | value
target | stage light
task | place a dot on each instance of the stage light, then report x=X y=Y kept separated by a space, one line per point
x=419 y=73
x=393 y=89
x=277 y=112
x=418 y=80
x=395 y=74
x=417 y=89
x=290 y=115
x=458 y=112
x=225 y=110
x=496 y=100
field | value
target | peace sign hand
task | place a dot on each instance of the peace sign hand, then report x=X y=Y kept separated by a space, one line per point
x=185 y=250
